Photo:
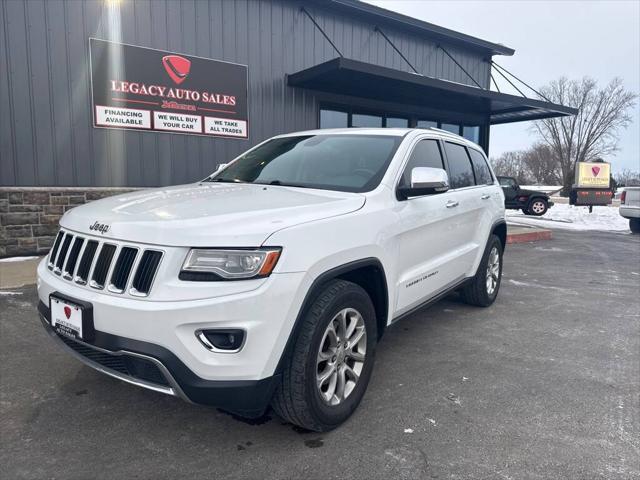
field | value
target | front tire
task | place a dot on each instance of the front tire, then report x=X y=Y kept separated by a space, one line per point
x=328 y=369
x=483 y=288
x=634 y=225
x=538 y=207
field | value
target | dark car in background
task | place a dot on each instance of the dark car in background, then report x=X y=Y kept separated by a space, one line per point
x=530 y=202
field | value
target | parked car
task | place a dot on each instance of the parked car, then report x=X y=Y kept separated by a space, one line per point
x=530 y=202
x=272 y=280
x=630 y=207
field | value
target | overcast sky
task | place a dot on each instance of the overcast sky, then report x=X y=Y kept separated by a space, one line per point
x=600 y=39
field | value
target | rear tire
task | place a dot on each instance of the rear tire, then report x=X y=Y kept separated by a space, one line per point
x=324 y=348
x=483 y=288
x=634 y=225
x=538 y=207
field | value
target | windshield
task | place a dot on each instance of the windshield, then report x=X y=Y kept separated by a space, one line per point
x=349 y=163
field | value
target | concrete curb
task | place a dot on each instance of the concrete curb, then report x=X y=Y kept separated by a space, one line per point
x=522 y=235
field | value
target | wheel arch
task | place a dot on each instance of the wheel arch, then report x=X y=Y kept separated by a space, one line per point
x=500 y=230
x=368 y=273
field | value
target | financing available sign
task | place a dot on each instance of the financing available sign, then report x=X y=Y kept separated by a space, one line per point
x=145 y=89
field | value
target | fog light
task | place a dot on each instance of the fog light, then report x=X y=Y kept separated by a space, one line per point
x=228 y=340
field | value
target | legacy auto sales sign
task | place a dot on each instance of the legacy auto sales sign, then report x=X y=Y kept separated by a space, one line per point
x=141 y=88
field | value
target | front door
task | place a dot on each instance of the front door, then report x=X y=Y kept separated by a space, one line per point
x=430 y=235
x=510 y=189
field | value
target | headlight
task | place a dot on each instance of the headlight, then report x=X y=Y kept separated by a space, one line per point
x=214 y=264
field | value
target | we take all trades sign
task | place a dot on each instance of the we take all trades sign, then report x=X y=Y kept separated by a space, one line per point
x=145 y=89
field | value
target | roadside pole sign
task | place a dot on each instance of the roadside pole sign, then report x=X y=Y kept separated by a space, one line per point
x=145 y=89
x=592 y=175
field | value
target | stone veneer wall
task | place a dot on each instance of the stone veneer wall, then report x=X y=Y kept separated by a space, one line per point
x=29 y=215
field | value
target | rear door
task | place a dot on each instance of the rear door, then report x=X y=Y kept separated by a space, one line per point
x=468 y=209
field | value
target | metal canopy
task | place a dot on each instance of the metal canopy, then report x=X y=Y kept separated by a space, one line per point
x=351 y=77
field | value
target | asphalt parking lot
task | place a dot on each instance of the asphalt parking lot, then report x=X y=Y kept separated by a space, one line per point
x=544 y=384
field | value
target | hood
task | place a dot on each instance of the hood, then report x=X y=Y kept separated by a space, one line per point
x=207 y=214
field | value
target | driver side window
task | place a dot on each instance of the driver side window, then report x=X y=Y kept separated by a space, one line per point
x=425 y=154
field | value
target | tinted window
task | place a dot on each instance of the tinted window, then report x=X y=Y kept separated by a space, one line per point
x=460 y=171
x=480 y=167
x=359 y=120
x=450 y=127
x=471 y=133
x=426 y=124
x=507 y=181
x=393 y=122
x=333 y=119
x=349 y=163
x=425 y=154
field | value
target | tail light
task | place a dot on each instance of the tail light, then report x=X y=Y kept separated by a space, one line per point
x=623 y=197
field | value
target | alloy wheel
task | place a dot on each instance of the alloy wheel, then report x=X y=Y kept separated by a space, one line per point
x=341 y=356
x=493 y=270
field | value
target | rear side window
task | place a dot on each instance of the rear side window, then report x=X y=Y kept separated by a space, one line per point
x=460 y=171
x=425 y=154
x=480 y=167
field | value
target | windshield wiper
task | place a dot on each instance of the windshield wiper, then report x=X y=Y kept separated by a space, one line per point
x=225 y=180
x=280 y=183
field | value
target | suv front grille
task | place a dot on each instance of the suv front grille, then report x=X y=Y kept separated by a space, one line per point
x=86 y=261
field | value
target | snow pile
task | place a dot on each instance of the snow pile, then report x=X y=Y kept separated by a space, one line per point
x=568 y=217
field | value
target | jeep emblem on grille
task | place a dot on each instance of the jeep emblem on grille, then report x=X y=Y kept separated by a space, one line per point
x=100 y=227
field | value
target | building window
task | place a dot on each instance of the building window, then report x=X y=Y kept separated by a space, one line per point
x=471 y=133
x=426 y=124
x=450 y=127
x=333 y=119
x=361 y=120
x=395 y=122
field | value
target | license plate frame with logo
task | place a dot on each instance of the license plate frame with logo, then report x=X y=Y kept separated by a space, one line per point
x=71 y=318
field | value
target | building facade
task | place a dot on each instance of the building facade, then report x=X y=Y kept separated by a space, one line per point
x=309 y=64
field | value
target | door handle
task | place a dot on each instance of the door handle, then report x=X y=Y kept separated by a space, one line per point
x=485 y=196
x=452 y=203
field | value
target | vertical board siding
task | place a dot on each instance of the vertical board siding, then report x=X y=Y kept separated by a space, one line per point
x=46 y=133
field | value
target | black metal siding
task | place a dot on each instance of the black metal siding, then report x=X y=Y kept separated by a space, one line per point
x=46 y=137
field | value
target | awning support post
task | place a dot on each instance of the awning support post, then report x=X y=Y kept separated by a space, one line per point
x=378 y=29
x=461 y=67
x=302 y=9
x=518 y=79
x=510 y=82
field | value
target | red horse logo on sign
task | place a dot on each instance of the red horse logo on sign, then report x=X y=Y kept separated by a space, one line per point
x=595 y=171
x=177 y=67
x=67 y=312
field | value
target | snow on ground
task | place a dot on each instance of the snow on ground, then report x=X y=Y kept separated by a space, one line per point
x=15 y=259
x=568 y=217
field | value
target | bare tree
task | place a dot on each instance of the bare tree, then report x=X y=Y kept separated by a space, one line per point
x=510 y=164
x=593 y=132
x=541 y=165
x=627 y=178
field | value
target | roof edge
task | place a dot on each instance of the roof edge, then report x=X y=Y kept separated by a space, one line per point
x=420 y=25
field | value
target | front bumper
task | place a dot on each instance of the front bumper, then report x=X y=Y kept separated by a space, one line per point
x=156 y=368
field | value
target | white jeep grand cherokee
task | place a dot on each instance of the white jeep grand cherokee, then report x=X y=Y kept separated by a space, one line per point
x=271 y=281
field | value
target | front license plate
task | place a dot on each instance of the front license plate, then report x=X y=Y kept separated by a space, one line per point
x=66 y=318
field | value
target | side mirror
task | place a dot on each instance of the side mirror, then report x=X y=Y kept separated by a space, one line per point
x=425 y=181
x=221 y=166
